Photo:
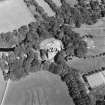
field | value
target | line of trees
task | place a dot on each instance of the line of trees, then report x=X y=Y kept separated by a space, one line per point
x=76 y=88
x=71 y=77
x=36 y=10
x=26 y=39
x=83 y=12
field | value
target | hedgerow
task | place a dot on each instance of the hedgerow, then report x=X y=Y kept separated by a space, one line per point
x=25 y=42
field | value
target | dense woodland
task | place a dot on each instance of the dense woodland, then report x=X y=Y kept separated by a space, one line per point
x=23 y=44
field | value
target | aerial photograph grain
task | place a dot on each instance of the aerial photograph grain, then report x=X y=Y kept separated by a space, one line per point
x=52 y=52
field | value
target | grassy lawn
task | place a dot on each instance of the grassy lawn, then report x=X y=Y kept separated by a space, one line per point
x=98 y=32
x=13 y=14
x=90 y=64
x=41 y=88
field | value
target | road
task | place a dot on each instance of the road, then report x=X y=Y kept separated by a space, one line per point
x=3 y=85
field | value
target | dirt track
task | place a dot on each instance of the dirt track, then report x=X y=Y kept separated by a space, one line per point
x=2 y=86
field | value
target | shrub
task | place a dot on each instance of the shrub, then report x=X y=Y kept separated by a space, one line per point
x=22 y=31
x=59 y=57
x=35 y=65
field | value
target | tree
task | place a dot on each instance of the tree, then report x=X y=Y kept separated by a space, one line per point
x=52 y=5
x=19 y=51
x=32 y=26
x=103 y=1
x=52 y=68
x=81 y=50
x=8 y=39
x=35 y=65
x=22 y=32
x=94 y=4
x=43 y=33
x=32 y=40
x=98 y=102
x=76 y=15
x=80 y=101
x=16 y=70
x=60 y=57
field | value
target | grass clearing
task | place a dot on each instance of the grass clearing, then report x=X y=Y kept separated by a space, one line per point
x=41 y=86
x=98 y=32
x=13 y=14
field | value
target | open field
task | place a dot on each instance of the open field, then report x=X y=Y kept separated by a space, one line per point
x=41 y=88
x=86 y=65
x=13 y=14
x=44 y=88
x=98 y=32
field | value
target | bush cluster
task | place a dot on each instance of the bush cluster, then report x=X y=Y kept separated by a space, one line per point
x=72 y=79
x=76 y=88
x=27 y=38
